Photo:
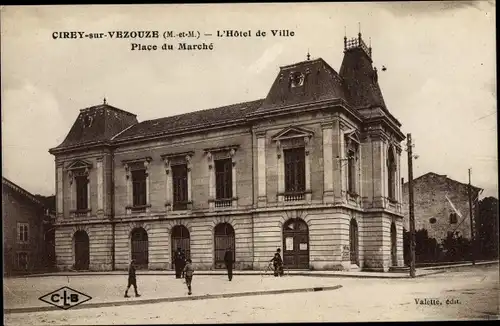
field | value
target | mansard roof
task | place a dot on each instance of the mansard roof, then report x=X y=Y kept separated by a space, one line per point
x=198 y=119
x=97 y=124
x=304 y=82
x=360 y=80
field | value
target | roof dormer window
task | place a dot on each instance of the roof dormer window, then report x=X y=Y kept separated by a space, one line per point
x=87 y=121
x=296 y=79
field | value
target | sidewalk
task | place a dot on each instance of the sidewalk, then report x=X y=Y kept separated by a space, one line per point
x=357 y=274
x=22 y=294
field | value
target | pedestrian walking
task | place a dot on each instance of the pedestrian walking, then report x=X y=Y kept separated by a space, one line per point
x=277 y=263
x=178 y=262
x=183 y=262
x=189 y=271
x=229 y=260
x=132 y=280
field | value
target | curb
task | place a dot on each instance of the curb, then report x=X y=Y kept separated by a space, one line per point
x=367 y=275
x=459 y=265
x=173 y=299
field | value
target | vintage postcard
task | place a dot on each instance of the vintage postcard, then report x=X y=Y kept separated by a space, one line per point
x=249 y=163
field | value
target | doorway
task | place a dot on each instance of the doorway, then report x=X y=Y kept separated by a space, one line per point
x=82 y=250
x=140 y=246
x=296 y=244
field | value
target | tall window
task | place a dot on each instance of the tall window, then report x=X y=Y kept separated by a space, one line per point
x=139 y=187
x=391 y=174
x=223 y=179
x=351 y=171
x=81 y=192
x=23 y=232
x=180 y=191
x=295 y=179
x=453 y=218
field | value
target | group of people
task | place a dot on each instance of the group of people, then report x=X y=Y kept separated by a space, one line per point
x=184 y=268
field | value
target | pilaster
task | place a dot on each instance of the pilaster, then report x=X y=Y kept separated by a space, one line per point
x=100 y=186
x=261 y=169
x=307 y=167
x=328 y=194
x=59 y=191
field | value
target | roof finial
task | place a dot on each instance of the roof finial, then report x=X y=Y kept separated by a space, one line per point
x=359 y=31
x=345 y=38
x=105 y=101
x=308 y=55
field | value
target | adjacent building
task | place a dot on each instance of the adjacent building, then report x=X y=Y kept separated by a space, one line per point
x=312 y=168
x=27 y=228
x=441 y=205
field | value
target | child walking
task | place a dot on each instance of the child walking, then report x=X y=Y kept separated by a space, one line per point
x=132 y=281
x=188 y=272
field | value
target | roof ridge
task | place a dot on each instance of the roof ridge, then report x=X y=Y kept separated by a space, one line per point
x=203 y=110
x=21 y=190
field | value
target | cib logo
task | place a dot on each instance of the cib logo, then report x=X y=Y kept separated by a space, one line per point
x=65 y=298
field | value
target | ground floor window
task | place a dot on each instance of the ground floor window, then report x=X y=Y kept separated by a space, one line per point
x=223 y=239
x=140 y=247
x=82 y=250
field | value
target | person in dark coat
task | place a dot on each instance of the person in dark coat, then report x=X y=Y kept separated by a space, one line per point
x=189 y=271
x=178 y=262
x=229 y=260
x=277 y=263
x=132 y=281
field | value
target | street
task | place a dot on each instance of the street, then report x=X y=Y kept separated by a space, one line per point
x=464 y=293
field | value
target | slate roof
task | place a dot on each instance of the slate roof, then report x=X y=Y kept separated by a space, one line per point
x=107 y=121
x=360 y=80
x=356 y=84
x=209 y=117
x=320 y=82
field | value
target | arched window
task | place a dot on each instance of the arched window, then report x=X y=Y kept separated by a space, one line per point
x=181 y=239
x=353 y=242
x=352 y=153
x=224 y=239
x=296 y=244
x=391 y=174
x=140 y=246
x=82 y=252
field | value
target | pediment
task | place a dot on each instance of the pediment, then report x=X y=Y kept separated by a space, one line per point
x=292 y=132
x=353 y=135
x=79 y=164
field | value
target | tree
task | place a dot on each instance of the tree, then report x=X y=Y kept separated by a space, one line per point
x=426 y=249
x=487 y=228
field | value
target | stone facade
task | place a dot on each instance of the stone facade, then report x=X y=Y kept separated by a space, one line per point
x=25 y=227
x=435 y=198
x=349 y=201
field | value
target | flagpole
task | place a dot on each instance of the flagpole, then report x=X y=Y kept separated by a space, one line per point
x=471 y=224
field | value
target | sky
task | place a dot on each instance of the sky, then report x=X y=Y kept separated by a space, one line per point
x=440 y=81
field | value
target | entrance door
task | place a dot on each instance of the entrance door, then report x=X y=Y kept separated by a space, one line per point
x=82 y=252
x=353 y=242
x=180 y=239
x=296 y=244
x=140 y=246
x=223 y=239
x=394 y=247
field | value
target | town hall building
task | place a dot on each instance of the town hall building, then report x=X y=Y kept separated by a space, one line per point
x=312 y=168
